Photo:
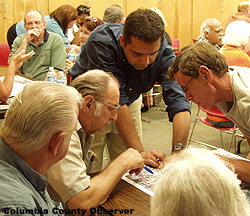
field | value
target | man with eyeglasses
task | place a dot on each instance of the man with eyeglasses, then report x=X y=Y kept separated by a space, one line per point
x=204 y=75
x=69 y=178
x=137 y=53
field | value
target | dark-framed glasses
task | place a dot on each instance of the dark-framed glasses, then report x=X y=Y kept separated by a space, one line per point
x=112 y=108
x=184 y=88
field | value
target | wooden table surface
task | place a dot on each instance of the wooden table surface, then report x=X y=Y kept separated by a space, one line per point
x=126 y=196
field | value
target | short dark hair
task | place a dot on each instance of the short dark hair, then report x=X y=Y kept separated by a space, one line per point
x=191 y=57
x=83 y=9
x=143 y=24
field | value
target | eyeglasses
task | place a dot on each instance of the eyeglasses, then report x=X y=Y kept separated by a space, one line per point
x=89 y=18
x=110 y=107
x=184 y=88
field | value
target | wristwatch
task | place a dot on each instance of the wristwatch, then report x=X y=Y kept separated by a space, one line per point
x=178 y=147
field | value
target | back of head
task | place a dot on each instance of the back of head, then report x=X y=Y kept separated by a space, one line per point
x=83 y=9
x=195 y=182
x=143 y=24
x=158 y=11
x=244 y=6
x=38 y=112
x=237 y=34
x=94 y=83
x=113 y=14
x=63 y=15
x=191 y=57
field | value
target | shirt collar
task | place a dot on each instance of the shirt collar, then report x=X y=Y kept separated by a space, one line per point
x=46 y=35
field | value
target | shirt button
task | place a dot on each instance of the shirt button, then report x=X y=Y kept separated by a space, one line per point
x=130 y=89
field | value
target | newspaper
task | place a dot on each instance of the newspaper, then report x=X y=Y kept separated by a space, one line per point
x=145 y=181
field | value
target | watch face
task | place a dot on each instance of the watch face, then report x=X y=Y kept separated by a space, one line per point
x=178 y=147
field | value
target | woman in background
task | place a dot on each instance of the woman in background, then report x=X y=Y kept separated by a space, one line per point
x=86 y=25
x=72 y=32
x=60 y=21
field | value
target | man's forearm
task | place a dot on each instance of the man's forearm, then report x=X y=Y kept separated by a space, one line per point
x=181 y=126
x=242 y=168
x=126 y=128
x=103 y=184
x=7 y=84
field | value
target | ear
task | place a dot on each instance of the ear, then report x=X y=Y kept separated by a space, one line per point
x=55 y=142
x=206 y=34
x=122 y=41
x=45 y=23
x=88 y=102
x=205 y=73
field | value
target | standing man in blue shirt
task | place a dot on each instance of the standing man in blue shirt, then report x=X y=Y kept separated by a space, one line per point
x=138 y=55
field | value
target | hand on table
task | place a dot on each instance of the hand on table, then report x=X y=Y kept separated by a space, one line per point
x=153 y=157
x=134 y=160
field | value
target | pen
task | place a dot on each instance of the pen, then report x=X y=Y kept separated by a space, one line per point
x=149 y=170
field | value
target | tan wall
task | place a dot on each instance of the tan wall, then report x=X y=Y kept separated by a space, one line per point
x=184 y=17
x=12 y=11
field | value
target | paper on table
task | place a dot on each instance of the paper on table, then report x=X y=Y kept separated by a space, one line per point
x=144 y=181
x=19 y=83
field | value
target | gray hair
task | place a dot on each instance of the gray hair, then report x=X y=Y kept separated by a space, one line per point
x=205 y=27
x=33 y=10
x=158 y=11
x=196 y=182
x=243 y=6
x=237 y=34
x=38 y=112
x=94 y=83
x=113 y=14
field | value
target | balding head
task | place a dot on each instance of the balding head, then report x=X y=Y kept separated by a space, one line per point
x=94 y=83
x=244 y=6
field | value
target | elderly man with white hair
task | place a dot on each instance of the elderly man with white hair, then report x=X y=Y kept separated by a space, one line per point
x=211 y=31
x=69 y=177
x=35 y=135
x=236 y=44
x=196 y=182
x=243 y=13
